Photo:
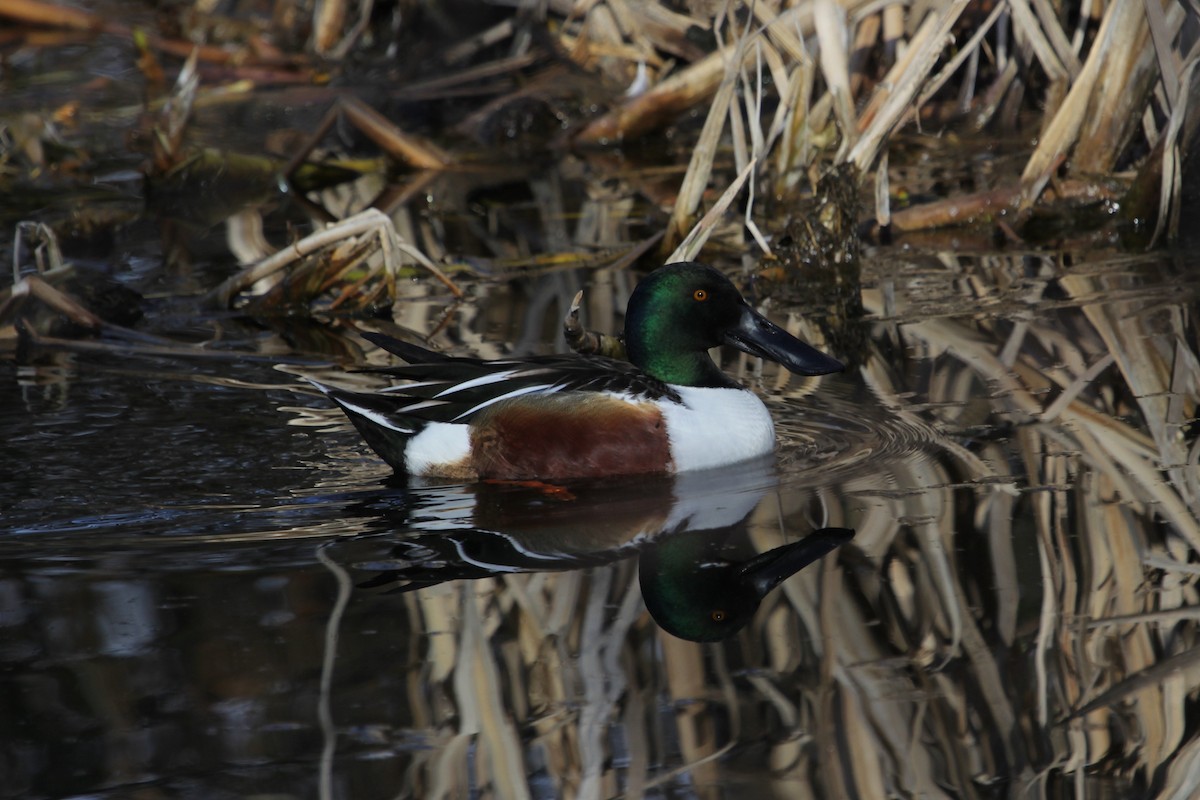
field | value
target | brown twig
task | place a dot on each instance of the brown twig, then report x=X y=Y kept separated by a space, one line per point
x=589 y=343
x=404 y=147
x=969 y=209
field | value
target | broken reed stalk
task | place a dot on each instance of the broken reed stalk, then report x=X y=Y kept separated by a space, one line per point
x=835 y=66
x=695 y=180
x=173 y=119
x=922 y=55
x=36 y=287
x=328 y=18
x=406 y=148
x=995 y=203
x=1104 y=102
x=690 y=247
x=369 y=223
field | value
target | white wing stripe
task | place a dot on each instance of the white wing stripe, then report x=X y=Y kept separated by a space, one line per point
x=376 y=417
x=422 y=404
x=537 y=388
x=482 y=380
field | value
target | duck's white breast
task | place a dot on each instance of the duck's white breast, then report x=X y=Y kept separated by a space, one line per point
x=714 y=427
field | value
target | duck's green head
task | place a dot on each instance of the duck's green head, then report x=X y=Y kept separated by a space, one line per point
x=681 y=311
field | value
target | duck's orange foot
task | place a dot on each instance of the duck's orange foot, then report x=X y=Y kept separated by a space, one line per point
x=548 y=489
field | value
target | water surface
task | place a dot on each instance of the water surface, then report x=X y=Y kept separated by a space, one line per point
x=1014 y=446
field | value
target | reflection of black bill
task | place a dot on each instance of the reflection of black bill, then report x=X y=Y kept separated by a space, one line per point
x=758 y=336
x=768 y=570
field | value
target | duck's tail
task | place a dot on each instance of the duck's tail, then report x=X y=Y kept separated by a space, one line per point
x=376 y=417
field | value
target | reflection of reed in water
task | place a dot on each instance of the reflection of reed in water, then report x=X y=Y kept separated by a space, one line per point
x=1013 y=616
x=1101 y=517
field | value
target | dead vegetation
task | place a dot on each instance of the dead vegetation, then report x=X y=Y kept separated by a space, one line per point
x=1092 y=98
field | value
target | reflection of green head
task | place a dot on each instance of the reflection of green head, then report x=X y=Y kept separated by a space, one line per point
x=696 y=592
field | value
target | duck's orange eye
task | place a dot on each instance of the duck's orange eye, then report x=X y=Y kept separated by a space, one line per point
x=700 y=295
x=718 y=615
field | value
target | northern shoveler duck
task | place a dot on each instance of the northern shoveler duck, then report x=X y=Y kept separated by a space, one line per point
x=668 y=409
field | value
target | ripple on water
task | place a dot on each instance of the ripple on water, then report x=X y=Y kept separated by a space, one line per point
x=843 y=426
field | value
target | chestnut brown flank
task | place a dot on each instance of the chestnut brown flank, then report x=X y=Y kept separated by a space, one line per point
x=568 y=436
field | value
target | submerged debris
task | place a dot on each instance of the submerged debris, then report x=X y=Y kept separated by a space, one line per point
x=52 y=297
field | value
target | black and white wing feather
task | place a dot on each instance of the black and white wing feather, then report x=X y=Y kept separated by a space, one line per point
x=441 y=388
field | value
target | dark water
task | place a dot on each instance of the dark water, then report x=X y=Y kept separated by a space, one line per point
x=182 y=538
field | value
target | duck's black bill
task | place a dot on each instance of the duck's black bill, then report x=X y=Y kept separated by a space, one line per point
x=758 y=336
x=768 y=570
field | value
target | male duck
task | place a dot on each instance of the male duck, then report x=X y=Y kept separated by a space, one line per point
x=669 y=409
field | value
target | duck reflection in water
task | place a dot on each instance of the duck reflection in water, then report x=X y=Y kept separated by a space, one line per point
x=701 y=577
